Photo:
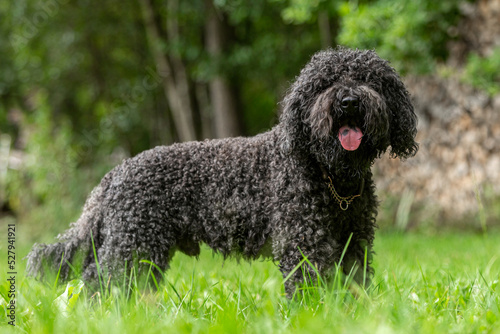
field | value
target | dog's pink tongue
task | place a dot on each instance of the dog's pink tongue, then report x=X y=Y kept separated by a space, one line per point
x=350 y=138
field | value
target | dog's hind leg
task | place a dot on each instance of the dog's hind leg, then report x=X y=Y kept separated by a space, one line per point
x=127 y=250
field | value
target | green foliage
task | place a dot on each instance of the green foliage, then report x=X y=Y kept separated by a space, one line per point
x=53 y=173
x=483 y=72
x=412 y=34
x=301 y=11
x=81 y=64
x=422 y=284
x=49 y=168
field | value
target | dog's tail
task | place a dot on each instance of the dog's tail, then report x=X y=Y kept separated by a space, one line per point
x=82 y=235
x=56 y=256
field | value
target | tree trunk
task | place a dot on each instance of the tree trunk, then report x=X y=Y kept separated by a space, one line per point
x=174 y=79
x=222 y=95
x=324 y=29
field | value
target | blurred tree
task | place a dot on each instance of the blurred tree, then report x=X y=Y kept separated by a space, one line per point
x=227 y=120
x=171 y=68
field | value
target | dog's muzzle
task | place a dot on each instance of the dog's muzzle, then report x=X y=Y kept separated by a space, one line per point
x=350 y=136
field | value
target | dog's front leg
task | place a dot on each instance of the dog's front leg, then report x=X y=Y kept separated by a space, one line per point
x=357 y=262
x=296 y=261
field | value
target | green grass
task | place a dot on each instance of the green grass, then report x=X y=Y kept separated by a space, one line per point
x=423 y=284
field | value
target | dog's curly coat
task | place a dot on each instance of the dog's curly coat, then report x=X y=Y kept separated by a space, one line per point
x=263 y=195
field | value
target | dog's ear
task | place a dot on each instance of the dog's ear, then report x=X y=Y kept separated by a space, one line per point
x=289 y=138
x=320 y=116
x=404 y=121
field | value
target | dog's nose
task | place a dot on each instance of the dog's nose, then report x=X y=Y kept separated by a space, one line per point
x=350 y=103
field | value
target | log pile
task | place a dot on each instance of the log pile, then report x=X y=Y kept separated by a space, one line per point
x=459 y=133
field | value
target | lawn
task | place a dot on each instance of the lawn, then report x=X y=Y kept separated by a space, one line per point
x=446 y=283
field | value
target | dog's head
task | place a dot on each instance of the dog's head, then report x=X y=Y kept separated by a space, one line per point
x=347 y=107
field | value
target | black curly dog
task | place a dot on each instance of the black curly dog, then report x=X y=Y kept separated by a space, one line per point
x=302 y=188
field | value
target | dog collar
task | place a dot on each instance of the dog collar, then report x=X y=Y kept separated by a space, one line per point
x=344 y=202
